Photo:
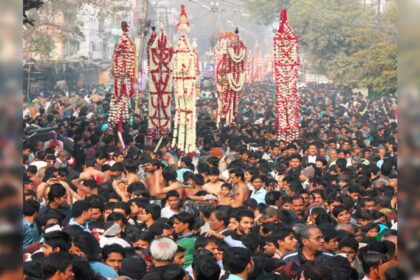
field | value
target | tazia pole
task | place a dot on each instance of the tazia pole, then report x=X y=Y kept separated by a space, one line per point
x=184 y=80
x=124 y=72
x=285 y=71
x=159 y=56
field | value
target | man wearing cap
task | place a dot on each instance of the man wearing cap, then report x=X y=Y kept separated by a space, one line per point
x=112 y=235
x=306 y=175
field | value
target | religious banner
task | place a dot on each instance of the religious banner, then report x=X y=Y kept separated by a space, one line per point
x=124 y=73
x=285 y=71
x=230 y=56
x=185 y=88
x=159 y=57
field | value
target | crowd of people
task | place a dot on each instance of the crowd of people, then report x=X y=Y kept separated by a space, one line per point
x=243 y=206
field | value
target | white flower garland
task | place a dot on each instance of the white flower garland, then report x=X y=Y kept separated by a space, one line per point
x=232 y=83
x=237 y=58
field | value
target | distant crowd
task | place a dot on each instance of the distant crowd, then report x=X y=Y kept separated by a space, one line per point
x=244 y=206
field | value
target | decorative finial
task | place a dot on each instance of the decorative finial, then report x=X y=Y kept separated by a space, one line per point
x=153 y=28
x=183 y=23
x=236 y=30
x=283 y=15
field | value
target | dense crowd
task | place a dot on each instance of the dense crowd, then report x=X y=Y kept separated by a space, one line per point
x=243 y=206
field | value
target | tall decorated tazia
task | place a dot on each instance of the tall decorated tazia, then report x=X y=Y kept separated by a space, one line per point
x=124 y=73
x=231 y=54
x=285 y=71
x=159 y=56
x=184 y=80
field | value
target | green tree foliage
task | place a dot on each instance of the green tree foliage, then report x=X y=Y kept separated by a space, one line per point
x=57 y=21
x=348 y=41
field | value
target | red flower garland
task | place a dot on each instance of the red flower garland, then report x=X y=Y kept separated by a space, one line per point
x=124 y=72
x=230 y=56
x=285 y=71
x=159 y=57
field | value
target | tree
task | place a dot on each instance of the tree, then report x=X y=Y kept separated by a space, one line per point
x=29 y=5
x=347 y=41
x=265 y=12
x=52 y=22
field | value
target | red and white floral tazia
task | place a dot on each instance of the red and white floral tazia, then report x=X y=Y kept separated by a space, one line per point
x=230 y=60
x=124 y=73
x=285 y=71
x=185 y=88
x=159 y=56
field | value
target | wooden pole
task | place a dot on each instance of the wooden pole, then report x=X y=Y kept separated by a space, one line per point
x=140 y=60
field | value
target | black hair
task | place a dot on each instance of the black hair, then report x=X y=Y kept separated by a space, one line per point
x=140 y=202
x=82 y=269
x=227 y=185
x=252 y=241
x=58 y=239
x=142 y=235
x=338 y=209
x=56 y=262
x=205 y=267
x=172 y=272
x=371 y=260
x=118 y=167
x=202 y=242
x=280 y=234
x=349 y=242
x=172 y=193
x=185 y=217
x=222 y=215
x=30 y=207
x=245 y=213
x=203 y=168
x=96 y=202
x=113 y=248
x=79 y=207
x=56 y=191
x=90 y=162
x=135 y=186
x=238 y=172
x=214 y=161
x=123 y=205
x=295 y=156
x=370 y=226
x=324 y=218
x=316 y=270
x=32 y=169
x=88 y=245
x=214 y=171
x=114 y=195
x=130 y=165
x=328 y=231
x=286 y=217
x=153 y=210
x=117 y=216
x=236 y=259
x=169 y=174
x=272 y=196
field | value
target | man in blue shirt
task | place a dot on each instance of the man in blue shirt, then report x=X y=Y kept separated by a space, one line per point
x=85 y=245
x=31 y=232
x=259 y=192
x=81 y=214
